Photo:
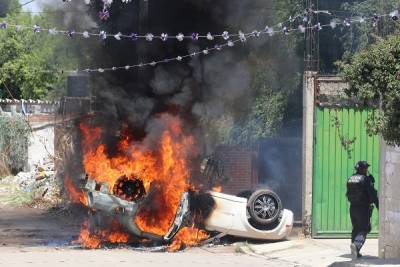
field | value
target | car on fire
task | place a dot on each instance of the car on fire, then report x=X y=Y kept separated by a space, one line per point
x=254 y=214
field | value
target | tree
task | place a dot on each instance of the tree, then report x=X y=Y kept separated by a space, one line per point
x=7 y=6
x=24 y=57
x=31 y=63
x=373 y=75
x=344 y=41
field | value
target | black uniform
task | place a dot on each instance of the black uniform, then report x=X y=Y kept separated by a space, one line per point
x=361 y=194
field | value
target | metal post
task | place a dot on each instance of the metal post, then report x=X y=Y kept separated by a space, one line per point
x=311 y=57
x=141 y=47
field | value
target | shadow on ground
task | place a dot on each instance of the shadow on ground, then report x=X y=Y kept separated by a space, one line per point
x=364 y=261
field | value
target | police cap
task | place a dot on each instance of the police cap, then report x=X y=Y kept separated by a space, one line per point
x=361 y=164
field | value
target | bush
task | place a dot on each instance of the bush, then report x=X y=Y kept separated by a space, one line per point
x=14 y=140
x=374 y=76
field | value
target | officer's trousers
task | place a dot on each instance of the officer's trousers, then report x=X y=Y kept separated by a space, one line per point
x=361 y=220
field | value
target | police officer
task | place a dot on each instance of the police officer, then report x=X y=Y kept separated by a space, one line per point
x=361 y=194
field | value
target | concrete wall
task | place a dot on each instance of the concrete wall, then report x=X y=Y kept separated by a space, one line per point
x=13 y=106
x=309 y=88
x=40 y=115
x=41 y=141
x=389 y=213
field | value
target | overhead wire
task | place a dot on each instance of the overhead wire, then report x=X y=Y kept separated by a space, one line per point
x=229 y=43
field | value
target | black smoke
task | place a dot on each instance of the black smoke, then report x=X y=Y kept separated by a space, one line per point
x=199 y=90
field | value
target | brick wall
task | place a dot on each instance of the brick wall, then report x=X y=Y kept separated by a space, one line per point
x=239 y=166
x=389 y=213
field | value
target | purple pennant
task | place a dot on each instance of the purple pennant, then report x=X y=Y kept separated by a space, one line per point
x=36 y=28
x=195 y=36
x=3 y=25
x=134 y=36
x=104 y=15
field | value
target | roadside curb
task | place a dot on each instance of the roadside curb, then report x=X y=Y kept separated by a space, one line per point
x=366 y=262
x=261 y=249
x=311 y=252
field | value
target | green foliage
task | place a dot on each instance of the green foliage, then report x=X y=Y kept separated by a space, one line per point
x=347 y=143
x=264 y=119
x=340 y=42
x=373 y=75
x=29 y=61
x=7 y=6
x=14 y=140
x=361 y=35
x=276 y=79
x=266 y=113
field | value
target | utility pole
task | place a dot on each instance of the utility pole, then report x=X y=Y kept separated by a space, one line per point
x=311 y=67
x=141 y=48
x=311 y=55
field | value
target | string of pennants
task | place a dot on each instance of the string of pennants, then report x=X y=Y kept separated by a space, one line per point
x=229 y=39
x=302 y=20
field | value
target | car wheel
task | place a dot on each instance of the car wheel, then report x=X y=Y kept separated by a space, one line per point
x=264 y=206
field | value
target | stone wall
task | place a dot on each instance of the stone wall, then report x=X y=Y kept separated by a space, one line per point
x=389 y=213
x=331 y=86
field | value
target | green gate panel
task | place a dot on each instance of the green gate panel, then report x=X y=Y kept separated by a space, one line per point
x=341 y=139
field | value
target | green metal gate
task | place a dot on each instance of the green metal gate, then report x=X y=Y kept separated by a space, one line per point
x=341 y=140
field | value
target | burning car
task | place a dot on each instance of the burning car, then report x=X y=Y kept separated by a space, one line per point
x=149 y=192
x=125 y=201
x=258 y=216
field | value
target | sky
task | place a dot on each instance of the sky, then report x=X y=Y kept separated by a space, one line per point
x=34 y=6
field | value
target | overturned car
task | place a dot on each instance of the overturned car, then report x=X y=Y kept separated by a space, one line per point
x=252 y=214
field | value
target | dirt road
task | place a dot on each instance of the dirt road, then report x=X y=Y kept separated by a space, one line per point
x=45 y=257
x=32 y=237
x=34 y=227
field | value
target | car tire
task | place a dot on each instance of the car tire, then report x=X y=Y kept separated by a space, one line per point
x=264 y=206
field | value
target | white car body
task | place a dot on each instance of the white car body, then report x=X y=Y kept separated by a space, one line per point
x=230 y=217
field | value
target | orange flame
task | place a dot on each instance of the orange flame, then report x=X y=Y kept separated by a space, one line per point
x=187 y=237
x=217 y=188
x=95 y=240
x=75 y=195
x=164 y=169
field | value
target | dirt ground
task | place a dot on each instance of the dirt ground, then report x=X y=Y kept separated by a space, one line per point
x=34 y=237
x=35 y=227
x=30 y=227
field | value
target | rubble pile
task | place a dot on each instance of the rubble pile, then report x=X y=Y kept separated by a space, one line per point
x=38 y=188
